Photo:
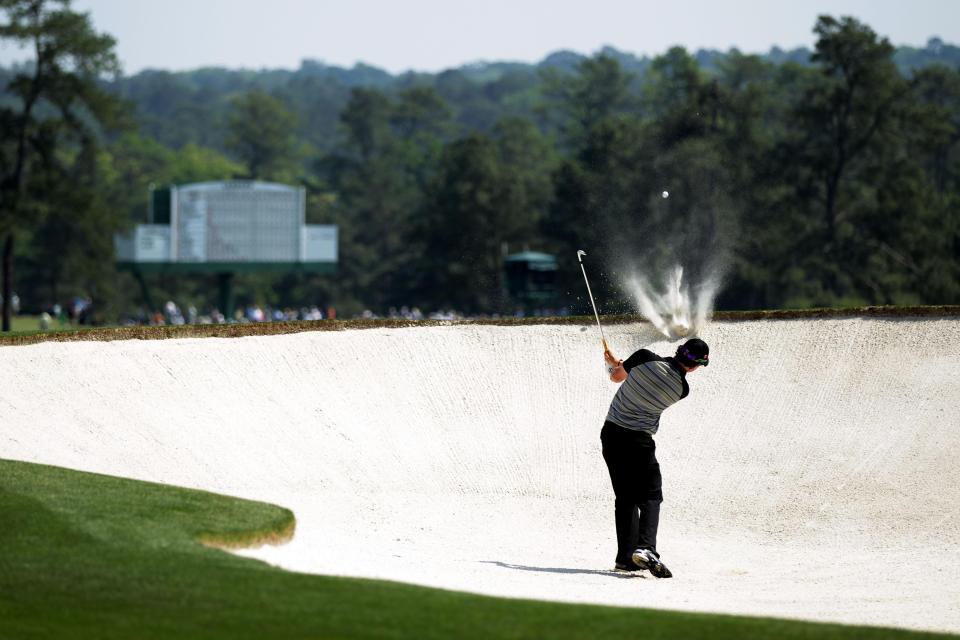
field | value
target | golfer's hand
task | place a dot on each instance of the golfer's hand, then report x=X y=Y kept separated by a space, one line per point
x=614 y=367
x=610 y=358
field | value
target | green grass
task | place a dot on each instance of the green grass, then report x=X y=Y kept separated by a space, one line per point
x=30 y=325
x=91 y=556
x=25 y=324
x=20 y=324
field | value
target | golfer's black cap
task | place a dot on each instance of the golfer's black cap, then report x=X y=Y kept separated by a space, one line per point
x=694 y=352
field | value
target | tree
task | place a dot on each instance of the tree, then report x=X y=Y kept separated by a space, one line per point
x=420 y=120
x=487 y=191
x=840 y=137
x=854 y=103
x=385 y=157
x=53 y=120
x=365 y=123
x=936 y=111
x=261 y=135
x=920 y=190
x=528 y=160
x=746 y=121
x=673 y=85
x=597 y=91
x=72 y=243
x=464 y=223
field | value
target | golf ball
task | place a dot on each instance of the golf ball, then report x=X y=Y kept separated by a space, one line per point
x=665 y=194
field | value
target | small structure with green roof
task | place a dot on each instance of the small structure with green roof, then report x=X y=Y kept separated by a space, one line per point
x=531 y=277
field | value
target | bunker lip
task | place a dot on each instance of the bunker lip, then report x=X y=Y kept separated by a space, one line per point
x=820 y=435
x=110 y=334
x=249 y=539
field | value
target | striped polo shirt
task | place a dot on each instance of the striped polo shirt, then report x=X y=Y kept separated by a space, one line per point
x=653 y=384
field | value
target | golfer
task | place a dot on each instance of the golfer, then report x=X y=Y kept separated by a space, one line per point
x=650 y=384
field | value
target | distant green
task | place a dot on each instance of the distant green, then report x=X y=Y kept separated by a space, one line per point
x=91 y=556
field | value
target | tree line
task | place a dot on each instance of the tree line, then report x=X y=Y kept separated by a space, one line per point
x=824 y=181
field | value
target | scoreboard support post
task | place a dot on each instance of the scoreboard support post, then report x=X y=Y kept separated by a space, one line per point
x=225 y=287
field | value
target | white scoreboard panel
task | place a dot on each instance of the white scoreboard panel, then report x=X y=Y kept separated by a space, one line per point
x=230 y=224
x=237 y=222
x=320 y=243
x=147 y=243
x=190 y=218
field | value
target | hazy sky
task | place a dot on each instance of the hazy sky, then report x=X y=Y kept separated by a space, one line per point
x=430 y=35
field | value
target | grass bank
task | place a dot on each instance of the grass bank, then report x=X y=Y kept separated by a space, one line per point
x=91 y=556
x=274 y=328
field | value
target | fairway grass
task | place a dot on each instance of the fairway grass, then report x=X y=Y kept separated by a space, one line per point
x=91 y=556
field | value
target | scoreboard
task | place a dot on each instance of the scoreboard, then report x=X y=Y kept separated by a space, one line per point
x=223 y=224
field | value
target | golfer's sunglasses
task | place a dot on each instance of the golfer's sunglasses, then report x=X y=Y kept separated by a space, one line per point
x=704 y=361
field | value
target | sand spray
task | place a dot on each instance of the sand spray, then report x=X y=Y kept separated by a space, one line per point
x=674 y=308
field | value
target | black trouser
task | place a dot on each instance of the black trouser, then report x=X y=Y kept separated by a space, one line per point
x=631 y=458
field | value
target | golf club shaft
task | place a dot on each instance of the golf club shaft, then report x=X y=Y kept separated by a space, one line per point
x=594 y=305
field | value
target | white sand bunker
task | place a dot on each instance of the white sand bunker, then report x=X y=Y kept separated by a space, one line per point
x=812 y=473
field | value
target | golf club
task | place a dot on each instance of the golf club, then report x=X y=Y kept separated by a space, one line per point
x=580 y=254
